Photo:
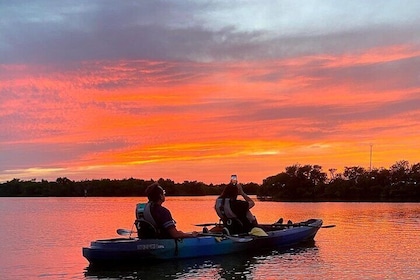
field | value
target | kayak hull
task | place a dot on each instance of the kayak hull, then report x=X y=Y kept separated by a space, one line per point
x=135 y=250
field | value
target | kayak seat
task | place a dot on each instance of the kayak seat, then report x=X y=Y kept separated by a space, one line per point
x=145 y=229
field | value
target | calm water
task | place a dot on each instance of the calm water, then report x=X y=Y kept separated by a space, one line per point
x=41 y=238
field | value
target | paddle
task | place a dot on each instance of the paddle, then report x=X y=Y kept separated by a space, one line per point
x=294 y=225
x=124 y=232
x=273 y=225
x=207 y=224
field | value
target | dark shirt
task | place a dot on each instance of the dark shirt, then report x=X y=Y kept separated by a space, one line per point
x=241 y=208
x=163 y=219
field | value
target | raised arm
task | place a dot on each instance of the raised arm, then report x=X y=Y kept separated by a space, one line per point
x=245 y=196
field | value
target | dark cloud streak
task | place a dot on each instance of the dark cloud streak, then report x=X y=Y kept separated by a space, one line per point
x=155 y=30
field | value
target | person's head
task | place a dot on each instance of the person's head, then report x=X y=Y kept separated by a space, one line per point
x=155 y=193
x=230 y=191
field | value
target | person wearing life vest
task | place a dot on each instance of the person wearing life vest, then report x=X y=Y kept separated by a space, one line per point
x=158 y=216
x=235 y=213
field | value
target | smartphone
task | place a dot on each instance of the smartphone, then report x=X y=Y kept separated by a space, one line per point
x=234 y=179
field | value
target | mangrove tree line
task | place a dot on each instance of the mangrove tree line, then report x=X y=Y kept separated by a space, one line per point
x=297 y=183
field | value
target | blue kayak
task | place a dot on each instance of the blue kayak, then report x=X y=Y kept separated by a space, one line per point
x=135 y=250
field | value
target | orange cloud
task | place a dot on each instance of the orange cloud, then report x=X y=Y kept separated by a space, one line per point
x=203 y=120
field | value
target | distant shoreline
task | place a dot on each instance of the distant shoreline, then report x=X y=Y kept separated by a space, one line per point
x=298 y=183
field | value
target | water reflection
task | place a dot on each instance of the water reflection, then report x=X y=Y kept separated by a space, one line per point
x=370 y=241
x=264 y=263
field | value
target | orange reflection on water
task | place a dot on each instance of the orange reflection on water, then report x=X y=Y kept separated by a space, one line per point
x=370 y=240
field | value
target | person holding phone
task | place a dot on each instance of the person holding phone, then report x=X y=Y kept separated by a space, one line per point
x=235 y=213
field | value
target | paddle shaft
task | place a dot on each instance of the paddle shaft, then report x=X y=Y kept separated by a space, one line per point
x=125 y=232
x=208 y=224
x=294 y=225
x=268 y=225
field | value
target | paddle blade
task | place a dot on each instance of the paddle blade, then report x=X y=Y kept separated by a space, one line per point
x=122 y=231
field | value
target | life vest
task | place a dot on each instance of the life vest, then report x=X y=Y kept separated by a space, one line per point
x=143 y=212
x=223 y=209
x=145 y=223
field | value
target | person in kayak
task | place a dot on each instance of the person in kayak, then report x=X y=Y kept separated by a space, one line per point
x=158 y=217
x=234 y=213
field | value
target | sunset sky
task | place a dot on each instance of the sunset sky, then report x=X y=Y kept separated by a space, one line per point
x=199 y=90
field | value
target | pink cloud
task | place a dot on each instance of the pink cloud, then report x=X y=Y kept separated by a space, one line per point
x=186 y=119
